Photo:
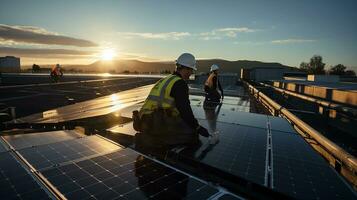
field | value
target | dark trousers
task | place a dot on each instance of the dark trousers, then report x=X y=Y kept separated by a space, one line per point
x=212 y=95
x=167 y=130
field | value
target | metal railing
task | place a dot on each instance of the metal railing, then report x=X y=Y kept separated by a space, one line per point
x=343 y=162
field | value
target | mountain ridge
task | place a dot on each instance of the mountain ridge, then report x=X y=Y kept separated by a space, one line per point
x=120 y=66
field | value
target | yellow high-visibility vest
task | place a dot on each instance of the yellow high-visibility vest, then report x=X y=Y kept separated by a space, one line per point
x=209 y=81
x=159 y=97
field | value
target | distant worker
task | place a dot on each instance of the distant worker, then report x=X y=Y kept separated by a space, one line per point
x=166 y=114
x=211 y=84
x=56 y=73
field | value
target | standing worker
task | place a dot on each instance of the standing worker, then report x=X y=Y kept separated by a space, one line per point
x=211 y=83
x=166 y=114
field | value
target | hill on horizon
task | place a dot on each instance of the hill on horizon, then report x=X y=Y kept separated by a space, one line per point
x=120 y=66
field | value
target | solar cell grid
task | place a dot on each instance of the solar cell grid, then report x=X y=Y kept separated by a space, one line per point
x=241 y=151
x=228 y=197
x=16 y=182
x=56 y=153
x=302 y=173
x=233 y=116
x=281 y=124
x=2 y=146
x=35 y=139
x=123 y=174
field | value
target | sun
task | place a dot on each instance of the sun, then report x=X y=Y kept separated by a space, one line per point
x=107 y=54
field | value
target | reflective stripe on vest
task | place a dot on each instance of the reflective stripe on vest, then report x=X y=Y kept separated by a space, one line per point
x=159 y=96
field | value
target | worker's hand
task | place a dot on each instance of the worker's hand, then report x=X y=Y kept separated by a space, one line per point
x=202 y=131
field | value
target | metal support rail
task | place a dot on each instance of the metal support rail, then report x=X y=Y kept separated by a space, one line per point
x=343 y=162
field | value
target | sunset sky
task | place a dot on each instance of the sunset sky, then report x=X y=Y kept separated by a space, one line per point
x=81 y=32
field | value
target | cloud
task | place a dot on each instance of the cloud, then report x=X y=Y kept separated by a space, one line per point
x=36 y=35
x=290 y=41
x=249 y=43
x=163 y=36
x=218 y=34
x=45 y=53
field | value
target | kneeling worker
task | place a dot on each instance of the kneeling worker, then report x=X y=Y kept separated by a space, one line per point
x=166 y=114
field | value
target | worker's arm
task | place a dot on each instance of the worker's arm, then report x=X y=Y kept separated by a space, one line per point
x=180 y=93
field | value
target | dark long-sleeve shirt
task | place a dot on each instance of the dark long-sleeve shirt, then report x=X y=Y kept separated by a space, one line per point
x=179 y=92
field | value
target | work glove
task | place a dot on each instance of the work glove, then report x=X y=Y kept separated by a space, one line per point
x=202 y=131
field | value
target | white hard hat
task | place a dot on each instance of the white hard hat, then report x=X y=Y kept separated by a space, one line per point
x=214 y=67
x=187 y=60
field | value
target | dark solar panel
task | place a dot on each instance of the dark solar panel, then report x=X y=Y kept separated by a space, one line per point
x=232 y=116
x=127 y=175
x=280 y=124
x=302 y=173
x=228 y=197
x=241 y=151
x=229 y=103
x=52 y=154
x=35 y=139
x=2 y=146
x=16 y=182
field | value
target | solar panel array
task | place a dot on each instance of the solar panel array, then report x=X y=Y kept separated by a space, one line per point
x=95 y=168
x=250 y=144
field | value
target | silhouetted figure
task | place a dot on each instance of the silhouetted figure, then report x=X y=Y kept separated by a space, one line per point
x=212 y=84
x=56 y=73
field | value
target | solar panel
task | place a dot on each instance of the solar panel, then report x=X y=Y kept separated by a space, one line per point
x=2 y=146
x=35 y=139
x=125 y=174
x=56 y=153
x=233 y=116
x=241 y=151
x=91 y=108
x=16 y=182
x=302 y=173
x=228 y=197
x=280 y=124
